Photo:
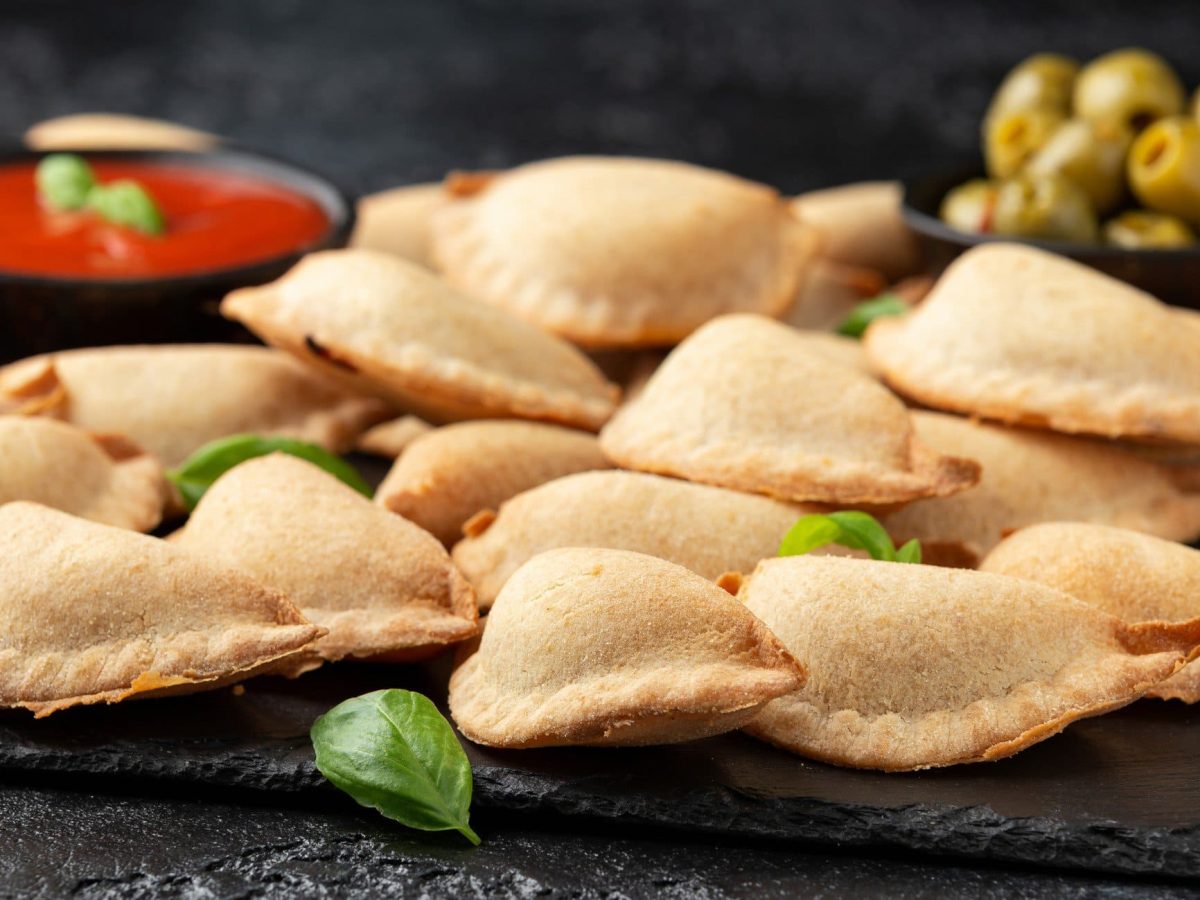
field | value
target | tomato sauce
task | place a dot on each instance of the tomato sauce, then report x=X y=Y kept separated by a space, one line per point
x=216 y=219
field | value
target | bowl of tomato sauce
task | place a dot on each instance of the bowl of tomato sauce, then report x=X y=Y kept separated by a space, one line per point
x=227 y=218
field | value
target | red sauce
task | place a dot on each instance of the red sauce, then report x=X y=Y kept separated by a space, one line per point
x=216 y=219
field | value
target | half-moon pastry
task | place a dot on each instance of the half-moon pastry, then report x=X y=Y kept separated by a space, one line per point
x=95 y=614
x=447 y=476
x=1038 y=476
x=100 y=131
x=102 y=479
x=389 y=327
x=860 y=225
x=378 y=583
x=706 y=529
x=751 y=404
x=173 y=399
x=399 y=221
x=911 y=666
x=392 y=438
x=608 y=647
x=1134 y=576
x=828 y=293
x=622 y=252
x=1027 y=337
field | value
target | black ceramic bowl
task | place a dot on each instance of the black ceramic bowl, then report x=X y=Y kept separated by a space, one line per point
x=1170 y=275
x=39 y=313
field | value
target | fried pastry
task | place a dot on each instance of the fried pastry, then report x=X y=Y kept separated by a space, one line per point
x=378 y=583
x=115 y=131
x=447 y=476
x=622 y=252
x=95 y=614
x=752 y=404
x=608 y=647
x=1136 y=577
x=399 y=221
x=388 y=327
x=829 y=292
x=911 y=666
x=172 y=399
x=1038 y=476
x=1026 y=337
x=860 y=225
x=706 y=529
x=105 y=480
x=392 y=438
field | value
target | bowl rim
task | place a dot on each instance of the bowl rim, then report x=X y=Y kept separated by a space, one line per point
x=337 y=203
x=921 y=216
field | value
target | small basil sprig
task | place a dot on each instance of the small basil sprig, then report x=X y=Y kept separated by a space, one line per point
x=214 y=459
x=66 y=182
x=393 y=751
x=868 y=311
x=850 y=528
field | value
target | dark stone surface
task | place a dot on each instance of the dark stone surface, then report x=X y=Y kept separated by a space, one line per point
x=1115 y=794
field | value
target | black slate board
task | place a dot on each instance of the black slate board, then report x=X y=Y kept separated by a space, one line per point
x=1117 y=794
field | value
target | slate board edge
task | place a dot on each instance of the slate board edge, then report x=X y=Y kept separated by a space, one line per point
x=973 y=833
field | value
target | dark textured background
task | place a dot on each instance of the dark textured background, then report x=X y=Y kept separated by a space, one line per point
x=796 y=92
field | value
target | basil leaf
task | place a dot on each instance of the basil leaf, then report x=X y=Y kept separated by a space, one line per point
x=863 y=532
x=910 y=552
x=215 y=458
x=127 y=203
x=868 y=311
x=64 y=180
x=850 y=528
x=809 y=533
x=393 y=751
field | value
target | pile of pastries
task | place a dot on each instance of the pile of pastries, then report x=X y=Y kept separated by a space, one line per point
x=610 y=389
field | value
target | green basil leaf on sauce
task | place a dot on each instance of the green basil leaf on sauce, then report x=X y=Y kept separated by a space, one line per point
x=64 y=181
x=214 y=459
x=127 y=203
x=849 y=528
x=394 y=752
x=868 y=311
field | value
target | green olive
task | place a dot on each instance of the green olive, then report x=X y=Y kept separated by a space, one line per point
x=1044 y=207
x=1140 y=229
x=969 y=206
x=1164 y=167
x=1133 y=86
x=1043 y=81
x=1090 y=153
x=1011 y=138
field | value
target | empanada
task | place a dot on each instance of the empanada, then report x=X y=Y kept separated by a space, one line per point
x=99 y=131
x=608 y=647
x=622 y=252
x=1134 y=576
x=447 y=476
x=754 y=405
x=860 y=225
x=399 y=221
x=378 y=583
x=1027 y=337
x=706 y=529
x=392 y=438
x=911 y=666
x=1037 y=476
x=172 y=399
x=60 y=466
x=388 y=327
x=829 y=292
x=95 y=614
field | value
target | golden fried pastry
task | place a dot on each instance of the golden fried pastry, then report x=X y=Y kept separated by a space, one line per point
x=608 y=647
x=447 y=476
x=1027 y=337
x=399 y=221
x=388 y=327
x=378 y=583
x=1037 y=476
x=172 y=399
x=103 y=479
x=622 y=252
x=392 y=438
x=751 y=404
x=911 y=666
x=860 y=225
x=706 y=529
x=1136 y=577
x=101 y=131
x=95 y=614
x=828 y=293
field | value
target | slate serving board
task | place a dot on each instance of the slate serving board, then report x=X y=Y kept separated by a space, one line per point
x=1117 y=794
